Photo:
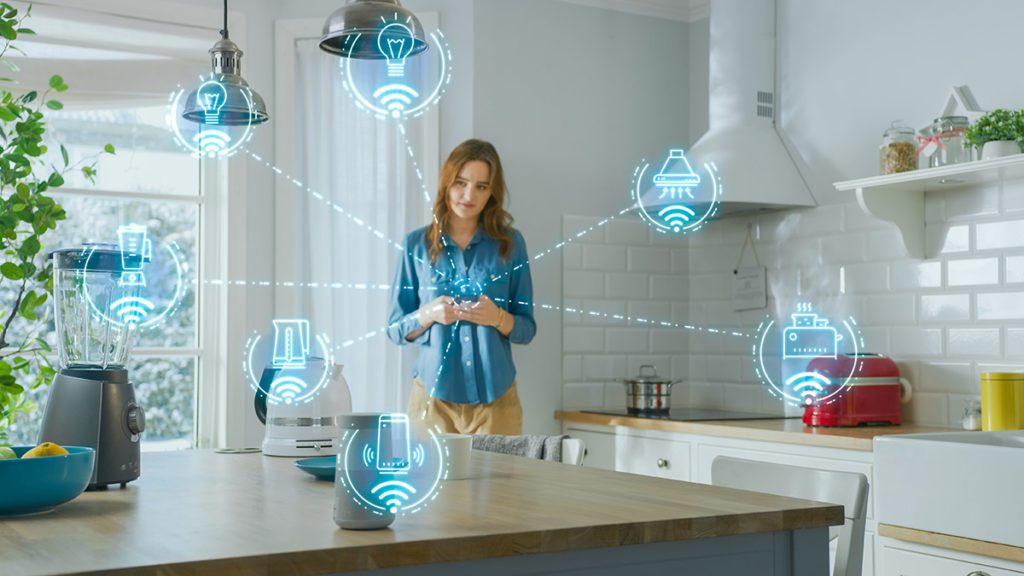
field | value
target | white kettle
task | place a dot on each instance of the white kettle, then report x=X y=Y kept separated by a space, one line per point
x=308 y=429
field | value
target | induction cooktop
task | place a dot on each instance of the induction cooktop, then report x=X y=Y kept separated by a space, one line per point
x=692 y=415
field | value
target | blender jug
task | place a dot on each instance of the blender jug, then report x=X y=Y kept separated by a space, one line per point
x=92 y=400
x=91 y=302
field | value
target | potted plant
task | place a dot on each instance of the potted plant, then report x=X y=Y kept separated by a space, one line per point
x=998 y=133
x=27 y=215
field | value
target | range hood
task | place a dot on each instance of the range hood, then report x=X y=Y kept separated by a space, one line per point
x=758 y=170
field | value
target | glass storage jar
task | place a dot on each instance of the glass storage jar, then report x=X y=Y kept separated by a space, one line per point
x=898 y=152
x=945 y=141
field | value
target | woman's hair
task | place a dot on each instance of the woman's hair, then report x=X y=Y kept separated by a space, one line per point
x=496 y=222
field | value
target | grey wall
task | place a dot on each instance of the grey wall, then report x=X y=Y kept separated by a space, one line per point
x=573 y=97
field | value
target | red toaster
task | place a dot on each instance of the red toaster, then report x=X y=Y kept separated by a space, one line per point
x=871 y=396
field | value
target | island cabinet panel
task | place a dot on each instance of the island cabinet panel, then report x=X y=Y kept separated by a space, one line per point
x=798 y=553
x=685 y=456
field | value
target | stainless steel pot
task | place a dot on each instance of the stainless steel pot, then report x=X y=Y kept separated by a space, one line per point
x=648 y=393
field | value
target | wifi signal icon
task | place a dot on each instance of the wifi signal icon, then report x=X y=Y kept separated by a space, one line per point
x=395 y=98
x=808 y=385
x=131 y=310
x=369 y=456
x=419 y=455
x=393 y=493
x=676 y=215
x=288 y=388
x=211 y=142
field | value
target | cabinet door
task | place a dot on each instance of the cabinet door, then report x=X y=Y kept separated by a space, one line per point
x=652 y=457
x=897 y=562
x=599 y=448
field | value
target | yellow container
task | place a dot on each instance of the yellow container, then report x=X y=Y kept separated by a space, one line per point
x=1002 y=400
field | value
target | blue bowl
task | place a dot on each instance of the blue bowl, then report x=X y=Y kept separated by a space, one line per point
x=33 y=485
x=322 y=466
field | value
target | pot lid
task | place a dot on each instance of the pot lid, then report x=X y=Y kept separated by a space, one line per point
x=649 y=375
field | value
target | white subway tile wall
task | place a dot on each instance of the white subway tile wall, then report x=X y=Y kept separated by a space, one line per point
x=620 y=284
x=945 y=320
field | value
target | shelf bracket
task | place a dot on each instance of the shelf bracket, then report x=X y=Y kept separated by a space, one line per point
x=905 y=209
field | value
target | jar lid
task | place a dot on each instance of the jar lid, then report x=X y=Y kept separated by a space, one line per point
x=1000 y=376
x=898 y=127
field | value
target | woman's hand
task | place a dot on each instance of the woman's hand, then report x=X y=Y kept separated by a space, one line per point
x=442 y=311
x=483 y=312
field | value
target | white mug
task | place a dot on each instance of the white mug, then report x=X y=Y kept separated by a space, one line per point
x=459 y=448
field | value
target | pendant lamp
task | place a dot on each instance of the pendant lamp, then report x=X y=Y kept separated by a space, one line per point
x=373 y=30
x=226 y=98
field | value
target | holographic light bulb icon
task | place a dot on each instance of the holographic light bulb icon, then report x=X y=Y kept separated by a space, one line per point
x=396 y=42
x=211 y=97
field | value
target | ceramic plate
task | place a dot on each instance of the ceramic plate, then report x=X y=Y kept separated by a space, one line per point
x=322 y=466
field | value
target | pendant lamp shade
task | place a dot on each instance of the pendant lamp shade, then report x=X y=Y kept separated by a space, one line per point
x=370 y=29
x=225 y=99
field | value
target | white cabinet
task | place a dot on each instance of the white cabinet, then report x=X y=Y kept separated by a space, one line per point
x=652 y=456
x=896 y=560
x=599 y=447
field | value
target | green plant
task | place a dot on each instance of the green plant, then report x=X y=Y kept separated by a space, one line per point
x=27 y=214
x=997 y=125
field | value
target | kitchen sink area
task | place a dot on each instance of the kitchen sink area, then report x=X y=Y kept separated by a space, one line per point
x=964 y=484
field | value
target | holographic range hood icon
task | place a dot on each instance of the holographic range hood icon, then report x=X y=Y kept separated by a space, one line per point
x=676 y=176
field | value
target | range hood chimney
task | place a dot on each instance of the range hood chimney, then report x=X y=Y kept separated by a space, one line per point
x=758 y=170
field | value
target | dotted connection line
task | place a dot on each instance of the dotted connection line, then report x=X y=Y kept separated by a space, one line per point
x=623 y=317
x=423 y=187
x=554 y=308
x=335 y=206
x=330 y=285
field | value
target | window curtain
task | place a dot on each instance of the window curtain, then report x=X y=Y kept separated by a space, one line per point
x=362 y=164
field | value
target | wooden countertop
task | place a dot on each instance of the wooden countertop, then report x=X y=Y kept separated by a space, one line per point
x=787 y=431
x=957 y=543
x=201 y=513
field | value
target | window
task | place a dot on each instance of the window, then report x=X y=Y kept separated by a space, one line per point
x=152 y=182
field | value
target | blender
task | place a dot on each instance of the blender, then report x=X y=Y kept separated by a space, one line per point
x=92 y=402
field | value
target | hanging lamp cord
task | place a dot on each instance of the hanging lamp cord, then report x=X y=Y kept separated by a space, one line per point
x=224 y=32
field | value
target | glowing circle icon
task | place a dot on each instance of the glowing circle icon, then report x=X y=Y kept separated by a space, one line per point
x=212 y=138
x=672 y=196
x=152 y=285
x=289 y=366
x=806 y=360
x=401 y=84
x=396 y=467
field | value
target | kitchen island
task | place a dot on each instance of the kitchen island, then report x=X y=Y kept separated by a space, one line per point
x=202 y=513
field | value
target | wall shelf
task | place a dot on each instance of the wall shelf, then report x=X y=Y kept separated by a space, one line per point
x=899 y=198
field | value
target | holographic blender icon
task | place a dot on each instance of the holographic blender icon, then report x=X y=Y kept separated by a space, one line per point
x=675 y=179
x=136 y=250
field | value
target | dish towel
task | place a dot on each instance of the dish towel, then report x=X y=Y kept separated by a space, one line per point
x=529 y=445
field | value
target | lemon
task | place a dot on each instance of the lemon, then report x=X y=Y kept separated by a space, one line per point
x=45 y=449
x=6 y=453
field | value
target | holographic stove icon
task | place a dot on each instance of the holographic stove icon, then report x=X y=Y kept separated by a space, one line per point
x=676 y=176
x=809 y=337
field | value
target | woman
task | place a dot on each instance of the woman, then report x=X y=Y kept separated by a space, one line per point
x=463 y=294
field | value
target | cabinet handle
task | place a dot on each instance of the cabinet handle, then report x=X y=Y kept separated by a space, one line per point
x=662 y=463
x=978 y=573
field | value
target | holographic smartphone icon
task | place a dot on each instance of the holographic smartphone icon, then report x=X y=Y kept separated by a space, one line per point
x=393 y=444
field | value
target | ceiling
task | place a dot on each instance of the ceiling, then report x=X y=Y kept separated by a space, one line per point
x=681 y=10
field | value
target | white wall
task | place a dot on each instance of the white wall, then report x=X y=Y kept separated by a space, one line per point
x=847 y=69
x=573 y=97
